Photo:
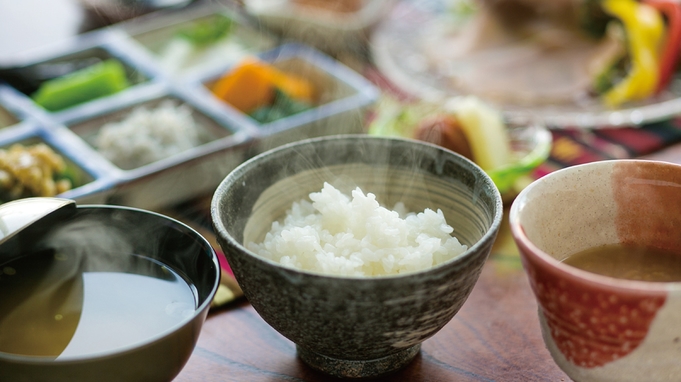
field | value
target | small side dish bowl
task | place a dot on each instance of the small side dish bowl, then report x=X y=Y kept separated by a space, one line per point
x=357 y=327
x=598 y=327
x=99 y=293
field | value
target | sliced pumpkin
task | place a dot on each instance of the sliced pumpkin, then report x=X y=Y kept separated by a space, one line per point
x=252 y=85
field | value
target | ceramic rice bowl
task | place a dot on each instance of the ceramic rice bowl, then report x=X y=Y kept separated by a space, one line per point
x=357 y=326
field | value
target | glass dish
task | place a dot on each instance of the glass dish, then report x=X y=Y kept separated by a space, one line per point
x=530 y=142
x=399 y=46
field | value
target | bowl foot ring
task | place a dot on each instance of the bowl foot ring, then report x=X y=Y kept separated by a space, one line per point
x=343 y=368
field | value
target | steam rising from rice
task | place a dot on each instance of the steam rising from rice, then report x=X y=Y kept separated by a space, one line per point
x=344 y=236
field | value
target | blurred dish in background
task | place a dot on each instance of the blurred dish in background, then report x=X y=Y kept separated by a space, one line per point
x=75 y=78
x=97 y=80
x=199 y=38
x=113 y=11
x=568 y=63
x=332 y=26
x=506 y=152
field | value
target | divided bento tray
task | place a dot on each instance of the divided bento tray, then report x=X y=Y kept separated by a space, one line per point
x=226 y=136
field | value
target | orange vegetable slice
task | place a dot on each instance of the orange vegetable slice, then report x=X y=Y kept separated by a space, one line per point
x=251 y=85
x=246 y=88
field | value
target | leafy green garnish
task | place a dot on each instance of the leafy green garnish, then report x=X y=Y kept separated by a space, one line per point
x=282 y=106
x=610 y=76
x=393 y=118
x=71 y=174
x=206 y=32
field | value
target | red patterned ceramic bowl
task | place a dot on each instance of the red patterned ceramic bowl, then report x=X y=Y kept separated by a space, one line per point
x=599 y=328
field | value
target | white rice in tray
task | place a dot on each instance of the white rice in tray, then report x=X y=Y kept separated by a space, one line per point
x=147 y=135
x=344 y=236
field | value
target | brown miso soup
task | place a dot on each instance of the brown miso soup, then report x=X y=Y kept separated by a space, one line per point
x=629 y=262
x=65 y=305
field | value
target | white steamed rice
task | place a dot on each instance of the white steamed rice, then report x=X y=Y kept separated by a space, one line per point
x=341 y=236
x=148 y=135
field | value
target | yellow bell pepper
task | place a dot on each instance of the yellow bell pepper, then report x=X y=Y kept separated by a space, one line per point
x=644 y=28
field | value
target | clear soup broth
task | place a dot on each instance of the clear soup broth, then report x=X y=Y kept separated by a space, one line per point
x=65 y=305
x=629 y=262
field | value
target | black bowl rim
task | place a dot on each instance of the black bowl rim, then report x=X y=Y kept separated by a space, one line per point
x=198 y=311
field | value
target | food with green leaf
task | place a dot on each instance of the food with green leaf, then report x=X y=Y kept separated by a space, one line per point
x=471 y=128
x=30 y=171
x=197 y=39
x=466 y=125
x=264 y=92
x=204 y=32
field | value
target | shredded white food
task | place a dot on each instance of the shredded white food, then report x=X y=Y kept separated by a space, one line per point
x=344 y=236
x=148 y=135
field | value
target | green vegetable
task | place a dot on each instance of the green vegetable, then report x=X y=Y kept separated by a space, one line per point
x=69 y=174
x=609 y=77
x=671 y=10
x=507 y=176
x=395 y=119
x=282 y=106
x=206 y=32
x=99 y=80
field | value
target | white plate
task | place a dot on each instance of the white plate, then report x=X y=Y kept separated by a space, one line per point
x=398 y=48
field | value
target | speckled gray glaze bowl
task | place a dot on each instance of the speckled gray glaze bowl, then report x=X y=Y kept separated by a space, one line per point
x=356 y=327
